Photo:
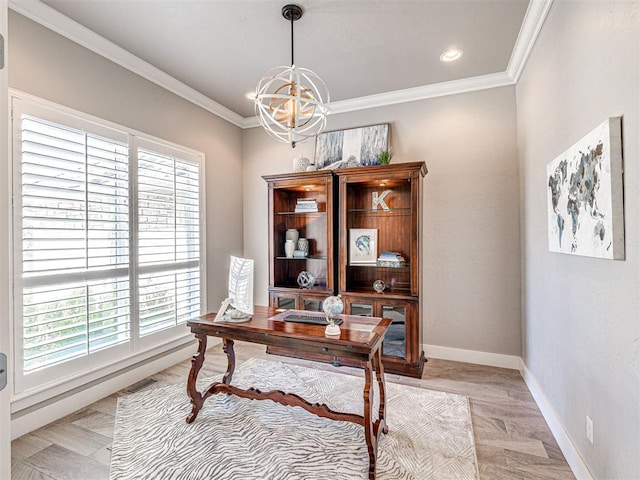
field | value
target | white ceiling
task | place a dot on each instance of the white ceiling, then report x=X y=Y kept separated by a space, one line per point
x=221 y=48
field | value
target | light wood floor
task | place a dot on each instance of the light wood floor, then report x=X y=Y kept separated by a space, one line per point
x=512 y=438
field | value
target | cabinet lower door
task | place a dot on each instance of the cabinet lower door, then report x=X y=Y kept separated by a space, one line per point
x=395 y=341
x=312 y=304
x=283 y=301
x=297 y=301
x=362 y=309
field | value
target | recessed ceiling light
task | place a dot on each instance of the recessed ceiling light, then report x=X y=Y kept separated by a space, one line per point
x=251 y=95
x=451 y=55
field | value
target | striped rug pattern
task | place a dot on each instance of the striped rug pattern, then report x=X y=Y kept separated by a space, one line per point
x=430 y=433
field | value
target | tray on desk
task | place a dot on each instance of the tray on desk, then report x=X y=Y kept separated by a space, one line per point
x=306 y=317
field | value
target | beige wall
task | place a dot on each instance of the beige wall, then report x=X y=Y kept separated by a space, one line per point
x=581 y=328
x=471 y=279
x=45 y=64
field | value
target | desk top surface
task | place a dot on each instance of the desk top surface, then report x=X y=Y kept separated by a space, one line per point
x=356 y=333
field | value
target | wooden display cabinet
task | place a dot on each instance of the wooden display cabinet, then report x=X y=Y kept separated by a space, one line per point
x=397 y=222
x=285 y=191
x=345 y=200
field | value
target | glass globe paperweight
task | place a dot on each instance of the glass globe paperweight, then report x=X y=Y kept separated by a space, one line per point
x=379 y=286
x=332 y=307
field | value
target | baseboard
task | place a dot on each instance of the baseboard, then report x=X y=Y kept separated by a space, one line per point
x=52 y=410
x=473 y=356
x=569 y=450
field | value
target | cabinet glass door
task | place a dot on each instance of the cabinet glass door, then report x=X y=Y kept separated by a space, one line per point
x=362 y=309
x=286 y=303
x=395 y=341
x=312 y=304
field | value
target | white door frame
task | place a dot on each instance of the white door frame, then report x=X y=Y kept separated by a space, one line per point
x=5 y=256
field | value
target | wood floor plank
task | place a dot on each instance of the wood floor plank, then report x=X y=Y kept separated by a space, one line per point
x=103 y=455
x=72 y=437
x=60 y=463
x=529 y=446
x=98 y=422
x=106 y=405
x=26 y=446
x=25 y=472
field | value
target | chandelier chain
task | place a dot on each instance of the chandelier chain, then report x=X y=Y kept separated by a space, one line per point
x=292 y=60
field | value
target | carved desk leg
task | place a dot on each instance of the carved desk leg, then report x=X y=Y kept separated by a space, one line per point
x=227 y=347
x=380 y=377
x=369 y=434
x=196 y=364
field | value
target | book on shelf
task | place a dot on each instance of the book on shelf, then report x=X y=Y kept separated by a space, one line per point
x=390 y=259
x=306 y=205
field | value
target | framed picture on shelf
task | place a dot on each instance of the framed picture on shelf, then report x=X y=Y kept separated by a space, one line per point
x=363 y=246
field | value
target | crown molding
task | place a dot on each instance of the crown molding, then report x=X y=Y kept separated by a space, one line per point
x=531 y=25
x=464 y=85
x=454 y=87
x=48 y=17
x=59 y=23
x=251 y=122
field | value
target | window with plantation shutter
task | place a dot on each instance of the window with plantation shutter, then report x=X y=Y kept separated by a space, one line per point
x=75 y=242
x=169 y=240
x=107 y=242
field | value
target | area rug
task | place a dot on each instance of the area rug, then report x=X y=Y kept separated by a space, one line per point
x=430 y=433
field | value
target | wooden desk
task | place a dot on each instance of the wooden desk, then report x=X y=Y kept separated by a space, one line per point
x=361 y=339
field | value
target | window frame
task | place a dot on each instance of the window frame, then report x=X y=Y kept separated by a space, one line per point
x=48 y=382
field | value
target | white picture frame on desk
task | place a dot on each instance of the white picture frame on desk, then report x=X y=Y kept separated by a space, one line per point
x=238 y=306
x=363 y=246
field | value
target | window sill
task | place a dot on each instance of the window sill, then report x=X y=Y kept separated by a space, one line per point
x=43 y=395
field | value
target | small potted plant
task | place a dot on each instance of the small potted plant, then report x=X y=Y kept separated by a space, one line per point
x=385 y=156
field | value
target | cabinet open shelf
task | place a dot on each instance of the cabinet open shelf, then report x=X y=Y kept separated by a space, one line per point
x=310 y=257
x=391 y=211
x=318 y=287
x=301 y=213
x=390 y=292
x=406 y=266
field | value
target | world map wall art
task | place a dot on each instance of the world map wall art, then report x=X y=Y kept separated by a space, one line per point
x=584 y=195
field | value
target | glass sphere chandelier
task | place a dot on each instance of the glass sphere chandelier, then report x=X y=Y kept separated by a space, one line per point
x=292 y=103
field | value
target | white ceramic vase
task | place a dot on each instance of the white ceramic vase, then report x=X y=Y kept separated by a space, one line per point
x=293 y=235
x=300 y=164
x=303 y=244
x=289 y=247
